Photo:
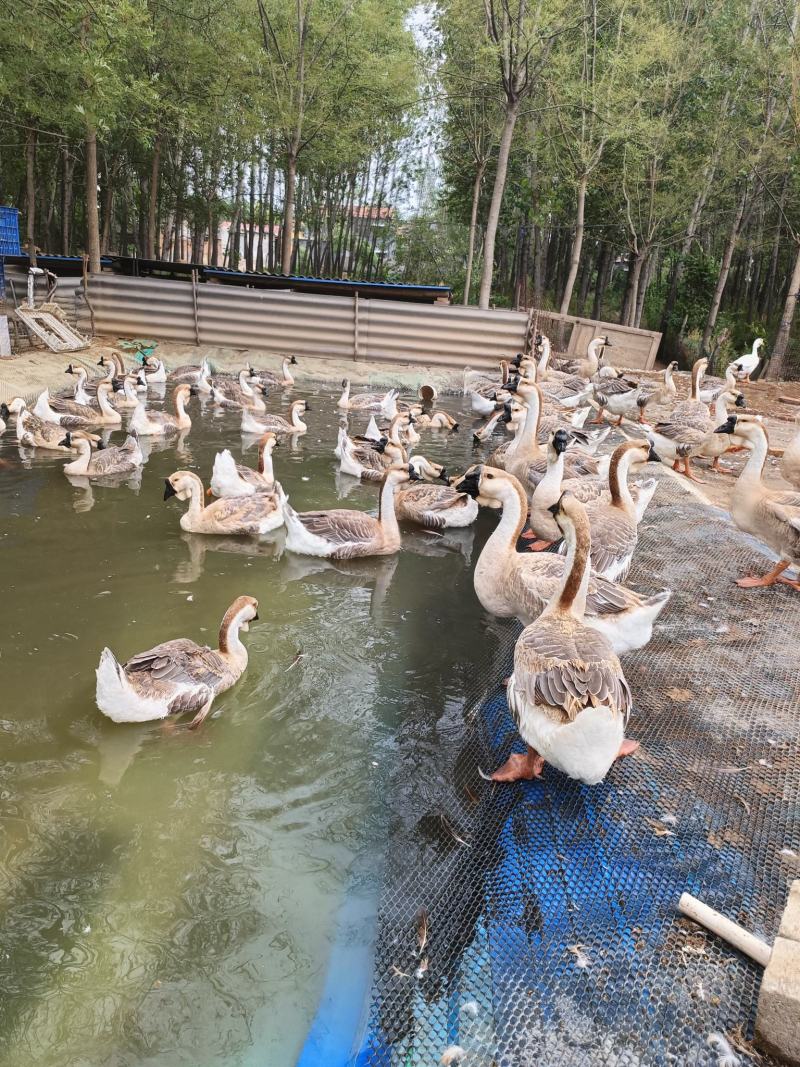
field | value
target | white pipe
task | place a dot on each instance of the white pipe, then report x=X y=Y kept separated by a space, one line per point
x=723 y=927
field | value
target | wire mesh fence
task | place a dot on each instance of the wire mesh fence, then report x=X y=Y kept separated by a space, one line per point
x=537 y=923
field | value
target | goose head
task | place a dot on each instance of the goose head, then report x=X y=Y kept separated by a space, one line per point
x=559 y=443
x=425 y=469
x=183 y=485
x=241 y=613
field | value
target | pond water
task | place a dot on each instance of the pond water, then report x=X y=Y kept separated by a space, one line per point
x=170 y=898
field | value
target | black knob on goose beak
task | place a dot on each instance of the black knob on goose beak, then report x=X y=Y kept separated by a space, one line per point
x=740 y=401
x=561 y=440
x=608 y=343
x=470 y=483
x=66 y=442
x=100 y=446
x=729 y=426
x=555 y=508
x=116 y=385
x=411 y=419
x=70 y=369
x=293 y=361
x=194 y=391
x=511 y=387
x=454 y=428
x=4 y=412
x=444 y=475
x=101 y=361
x=169 y=489
x=652 y=455
x=412 y=473
x=475 y=440
x=308 y=406
x=255 y=617
x=380 y=446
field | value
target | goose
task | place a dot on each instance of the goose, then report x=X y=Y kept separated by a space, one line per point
x=614 y=523
x=568 y=693
x=712 y=387
x=510 y=583
x=73 y=416
x=436 y=420
x=694 y=408
x=239 y=394
x=620 y=397
x=790 y=463
x=362 y=401
x=122 y=459
x=480 y=381
x=771 y=515
x=33 y=432
x=113 y=363
x=154 y=371
x=342 y=534
x=230 y=478
x=369 y=461
x=745 y=365
x=162 y=423
x=370 y=435
x=570 y=390
x=551 y=486
x=585 y=368
x=276 y=423
x=249 y=516
x=190 y=373
x=525 y=458
x=177 y=676
x=436 y=507
x=128 y=399
x=84 y=391
x=661 y=395
x=273 y=380
x=715 y=445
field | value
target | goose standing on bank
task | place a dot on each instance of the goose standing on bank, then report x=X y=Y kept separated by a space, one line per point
x=230 y=478
x=771 y=515
x=568 y=694
x=746 y=365
x=177 y=676
x=120 y=459
x=343 y=534
x=277 y=423
x=510 y=583
x=584 y=368
x=245 y=516
x=162 y=423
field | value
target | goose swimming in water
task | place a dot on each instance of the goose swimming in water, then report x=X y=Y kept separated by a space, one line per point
x=176 y=677
x=121 y=459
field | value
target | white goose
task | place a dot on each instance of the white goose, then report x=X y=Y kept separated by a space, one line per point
x=568 y=694
x=121 y=459
x=230 y=478
x=246 y=516
x=162 y=423
x=276 y=423
x=177 y=676
x=745 y=365
x=79 y=416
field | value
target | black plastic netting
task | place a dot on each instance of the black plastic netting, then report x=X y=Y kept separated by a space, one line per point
x=553 y=931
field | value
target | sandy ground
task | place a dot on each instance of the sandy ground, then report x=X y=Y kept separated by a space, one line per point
x=32 y=371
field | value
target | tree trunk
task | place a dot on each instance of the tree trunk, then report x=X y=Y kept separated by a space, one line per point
x=604 y=268
x=777 y=361
x=66 y=201
x=641 y=293
x=30 y=194
x=577 y=245
x=473 y=224
x=633 y=291
x=261 y=210
x=251 y=222
x=287 y=230
x=584 y=280
x=768 y=292
x=152 y=212
x=108 y=207
x=686 y=247
x=724 y=269
x=504 y=150
x=92 y=216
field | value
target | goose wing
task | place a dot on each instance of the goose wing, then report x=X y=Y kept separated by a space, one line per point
x=613 y=536
x=192 y=672
x=781 y=513
x=340 y=527
x=566 y=669
x=110 y=460
x=244 y=509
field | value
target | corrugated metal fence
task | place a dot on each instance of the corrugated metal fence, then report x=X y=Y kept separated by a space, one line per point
x=352 y=328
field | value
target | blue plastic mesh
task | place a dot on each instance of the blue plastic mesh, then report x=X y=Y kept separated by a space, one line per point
x=553 y=931
x=9 y=231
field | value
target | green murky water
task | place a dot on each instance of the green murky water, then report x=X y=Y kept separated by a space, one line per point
x=171 y=898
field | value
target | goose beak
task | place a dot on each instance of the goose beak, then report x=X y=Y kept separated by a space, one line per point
x=100 y=446
x=70 y=369
x=308 y=407
x=193 y=390
x=293 y=361
x=66 y=442
x=169 y=490
x=653 y=456
x=470 y=483
x=740 y=401
x=412 y=474
x=555 y=508
x=255 y=617
x=444 y=475
x=4 y=412
x=727 y=427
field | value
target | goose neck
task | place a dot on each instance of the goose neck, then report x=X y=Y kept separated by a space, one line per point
x=387 y=516
x=754 y=467
x=570 y=597
x=503 y=539
x=230 y=643
x=81 y=464
x=618 y=479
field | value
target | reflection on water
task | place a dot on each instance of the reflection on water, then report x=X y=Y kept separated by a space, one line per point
x=170 y=897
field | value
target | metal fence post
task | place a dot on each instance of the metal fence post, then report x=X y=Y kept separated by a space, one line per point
x=355 y=325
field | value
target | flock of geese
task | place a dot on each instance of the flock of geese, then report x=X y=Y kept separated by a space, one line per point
x=541 y=471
